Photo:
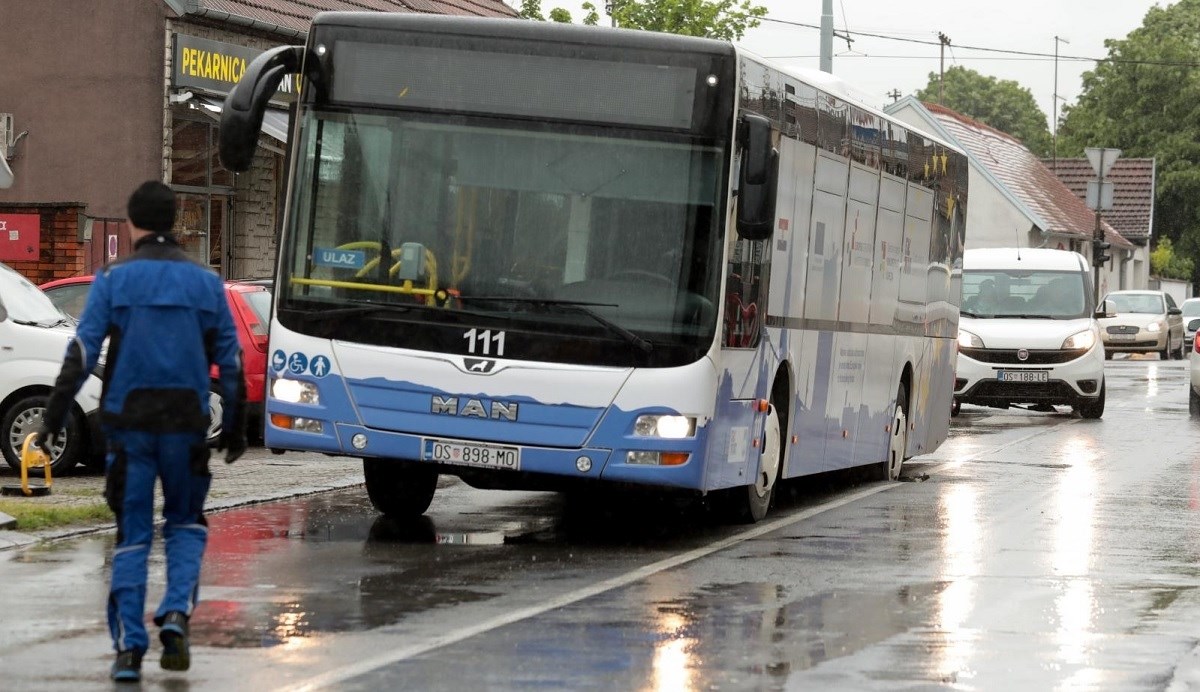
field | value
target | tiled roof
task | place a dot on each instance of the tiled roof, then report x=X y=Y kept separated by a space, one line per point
x=1023 y=174
x=1132 y=213
x=297 y=14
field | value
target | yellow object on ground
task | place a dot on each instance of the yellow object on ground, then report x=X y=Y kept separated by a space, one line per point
x=32 y=457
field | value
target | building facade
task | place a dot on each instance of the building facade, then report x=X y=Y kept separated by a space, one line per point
x=98 y=100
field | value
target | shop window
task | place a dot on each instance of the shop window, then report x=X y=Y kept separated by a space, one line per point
x=204 y=190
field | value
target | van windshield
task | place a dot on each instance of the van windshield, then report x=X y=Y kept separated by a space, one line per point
x=1026 y=294
x=25 y=302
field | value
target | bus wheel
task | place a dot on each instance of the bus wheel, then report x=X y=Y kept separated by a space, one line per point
x=898 y=441
x=397 y=489
x=749 y=503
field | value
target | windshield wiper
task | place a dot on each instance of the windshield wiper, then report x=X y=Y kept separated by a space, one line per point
x=43 y=325
x=359 y=309
x=968 y=313
x=579 y=306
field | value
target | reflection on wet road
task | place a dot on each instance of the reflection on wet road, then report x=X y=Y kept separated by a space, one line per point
x=1043 y=552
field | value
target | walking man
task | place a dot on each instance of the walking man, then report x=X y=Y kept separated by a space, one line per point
x=166 y=320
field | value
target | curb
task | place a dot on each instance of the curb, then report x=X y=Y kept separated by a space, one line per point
x=14 y=539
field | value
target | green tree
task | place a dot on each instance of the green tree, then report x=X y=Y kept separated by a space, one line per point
x=1000 y=103
x=1142 y=100
x=720 y=19
x=1164 y=262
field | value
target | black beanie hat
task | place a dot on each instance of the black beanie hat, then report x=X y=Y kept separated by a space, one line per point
x=152 y=207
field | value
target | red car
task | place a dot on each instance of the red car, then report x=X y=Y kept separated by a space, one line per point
x=250 y=303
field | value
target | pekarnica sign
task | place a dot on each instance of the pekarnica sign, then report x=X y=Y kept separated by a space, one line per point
x=214 y=66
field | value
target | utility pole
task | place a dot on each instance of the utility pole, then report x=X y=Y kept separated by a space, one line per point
x=827 y=36
x=1054 y=117
x=895 y=94
x=945 y=41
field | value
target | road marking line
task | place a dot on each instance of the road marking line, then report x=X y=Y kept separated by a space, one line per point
x=362 y=667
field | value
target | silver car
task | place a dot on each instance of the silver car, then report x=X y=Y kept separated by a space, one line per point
x=1144 y=322
x=1191 y=311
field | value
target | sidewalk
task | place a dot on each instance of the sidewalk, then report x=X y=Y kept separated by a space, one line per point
x=259 y=476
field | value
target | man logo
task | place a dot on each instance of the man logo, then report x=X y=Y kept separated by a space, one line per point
x=479 y=365
x=474 y=408
x=1023 y=355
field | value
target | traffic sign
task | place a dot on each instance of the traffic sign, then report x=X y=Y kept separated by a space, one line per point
x=1102 y=160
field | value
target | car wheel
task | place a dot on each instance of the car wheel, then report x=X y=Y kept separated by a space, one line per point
x=1193 y=402
x=1093 y=409
x=1165 y=354
x=1108 y=355
x=25 y=417
x=400 y=490
x=955 y=408
x=216 y=413
x=1179 y=354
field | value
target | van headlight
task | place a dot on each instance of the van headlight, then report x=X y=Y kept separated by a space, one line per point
x=968 y=340
x=295 y=391
x=1081 y=341
x=665 y=427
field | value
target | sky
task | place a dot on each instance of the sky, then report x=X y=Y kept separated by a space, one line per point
x=876 y=66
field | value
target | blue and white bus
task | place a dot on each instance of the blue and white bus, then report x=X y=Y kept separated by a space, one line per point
x=545 y=256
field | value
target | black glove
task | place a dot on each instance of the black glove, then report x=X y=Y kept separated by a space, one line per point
x=234 y=444
x=45 y=440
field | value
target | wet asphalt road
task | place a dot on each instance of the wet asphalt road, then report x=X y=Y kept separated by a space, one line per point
x=1042 y=552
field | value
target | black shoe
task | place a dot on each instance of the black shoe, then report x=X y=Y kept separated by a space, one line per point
x=174 y=638
x=127 y=667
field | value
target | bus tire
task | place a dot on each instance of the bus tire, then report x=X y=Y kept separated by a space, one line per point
x=748 y=504
x=397 y=489
x=889 y=469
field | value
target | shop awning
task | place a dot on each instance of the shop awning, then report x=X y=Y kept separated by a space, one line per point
x=275 y=120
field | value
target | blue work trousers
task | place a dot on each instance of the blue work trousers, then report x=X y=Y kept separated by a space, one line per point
x=136 y=460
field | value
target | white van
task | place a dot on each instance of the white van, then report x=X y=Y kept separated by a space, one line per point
x=33 y=338
x=1028 y=333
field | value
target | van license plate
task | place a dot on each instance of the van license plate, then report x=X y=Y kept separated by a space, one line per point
x=1023 y=376
x=470 y=454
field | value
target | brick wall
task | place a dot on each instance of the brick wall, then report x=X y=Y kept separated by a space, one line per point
x=61 y=254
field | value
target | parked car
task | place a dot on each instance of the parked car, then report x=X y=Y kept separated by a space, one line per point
x=250 y=303
x=34 y=335
x=1028 y=333
x=1194 y=368
x=1145 y=322
x=1191 y=310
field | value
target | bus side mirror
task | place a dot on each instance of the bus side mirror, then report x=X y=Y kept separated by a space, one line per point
x=758 y=179
x=242 y=115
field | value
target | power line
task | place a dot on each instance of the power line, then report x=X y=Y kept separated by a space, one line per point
x=1007 y=51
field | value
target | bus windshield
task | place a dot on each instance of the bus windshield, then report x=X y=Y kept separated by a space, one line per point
x=570 y=235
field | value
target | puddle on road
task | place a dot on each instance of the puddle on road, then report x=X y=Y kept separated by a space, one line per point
x=794 y=633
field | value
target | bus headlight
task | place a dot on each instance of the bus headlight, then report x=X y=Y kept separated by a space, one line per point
x=1081 y=341
x=665 y=426
x=295 y=391
x=968 y=340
